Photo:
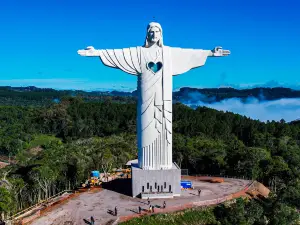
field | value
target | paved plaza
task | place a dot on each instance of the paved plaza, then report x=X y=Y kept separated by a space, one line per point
x=99 y=203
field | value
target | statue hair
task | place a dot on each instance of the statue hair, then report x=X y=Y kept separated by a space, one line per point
x=151 y=25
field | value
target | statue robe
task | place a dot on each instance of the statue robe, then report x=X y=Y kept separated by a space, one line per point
x=154 y=88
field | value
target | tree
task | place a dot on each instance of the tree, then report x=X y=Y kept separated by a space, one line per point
x=283 y=214
x=44 y=176
x=240 y=212
x=6 y=202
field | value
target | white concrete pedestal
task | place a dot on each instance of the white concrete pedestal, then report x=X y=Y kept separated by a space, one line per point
x=155 y=183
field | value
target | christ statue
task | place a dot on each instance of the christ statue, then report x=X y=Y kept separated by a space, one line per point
x=154 y=64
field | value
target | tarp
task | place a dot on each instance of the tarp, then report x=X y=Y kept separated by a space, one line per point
x=135 y=161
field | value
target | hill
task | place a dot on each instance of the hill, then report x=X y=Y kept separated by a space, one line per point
x=58 y=144
x=295 y=122
x=34 y=96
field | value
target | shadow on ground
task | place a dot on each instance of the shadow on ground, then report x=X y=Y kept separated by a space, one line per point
x=122 y=186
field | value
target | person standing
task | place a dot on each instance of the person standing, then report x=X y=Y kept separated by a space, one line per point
x=116 y=211
x=92 y=220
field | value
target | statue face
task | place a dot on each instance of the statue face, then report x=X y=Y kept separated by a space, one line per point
x=154 y=34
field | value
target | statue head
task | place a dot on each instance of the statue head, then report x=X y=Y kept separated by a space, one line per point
x=154 y=35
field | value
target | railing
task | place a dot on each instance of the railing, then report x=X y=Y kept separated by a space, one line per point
x=176 y=165
x=221 y=175
x=15 y=216
x=249 y=185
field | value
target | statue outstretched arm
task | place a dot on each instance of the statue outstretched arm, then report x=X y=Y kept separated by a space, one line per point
x=89 y=51
x=218 y=52
x=127 y=59
x=184 y=60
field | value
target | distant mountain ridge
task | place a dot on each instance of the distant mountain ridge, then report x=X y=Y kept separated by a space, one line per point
x=193 y=97
x=295 y=122
x=35 y=96
x=183 y=94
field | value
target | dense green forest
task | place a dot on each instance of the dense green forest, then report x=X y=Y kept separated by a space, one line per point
x=56 y=145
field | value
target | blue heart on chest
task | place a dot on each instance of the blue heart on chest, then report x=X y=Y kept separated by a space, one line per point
x=154 y=67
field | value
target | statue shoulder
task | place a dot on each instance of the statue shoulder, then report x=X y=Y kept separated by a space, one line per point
x=137 y=48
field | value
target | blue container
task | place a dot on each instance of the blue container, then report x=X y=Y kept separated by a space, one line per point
x=95 y=173
x=186 y=184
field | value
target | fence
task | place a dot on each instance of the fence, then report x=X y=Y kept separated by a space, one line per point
x=184 y=172
x=222 y=175
x=15 y=216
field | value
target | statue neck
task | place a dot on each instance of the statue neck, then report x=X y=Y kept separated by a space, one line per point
x=153 y=45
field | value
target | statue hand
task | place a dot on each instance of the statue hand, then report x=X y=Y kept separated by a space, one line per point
x=218 y=51
x=89 y=51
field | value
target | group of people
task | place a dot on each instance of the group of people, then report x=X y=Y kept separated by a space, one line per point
x=151 y=207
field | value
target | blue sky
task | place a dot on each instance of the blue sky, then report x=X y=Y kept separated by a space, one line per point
x=39 y=41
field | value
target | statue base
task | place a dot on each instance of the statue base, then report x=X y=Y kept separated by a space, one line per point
x=155 y=183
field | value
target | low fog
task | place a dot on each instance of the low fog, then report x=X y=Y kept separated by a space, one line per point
x=285 y=108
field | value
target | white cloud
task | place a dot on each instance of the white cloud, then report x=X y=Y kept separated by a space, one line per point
x=285 y=108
